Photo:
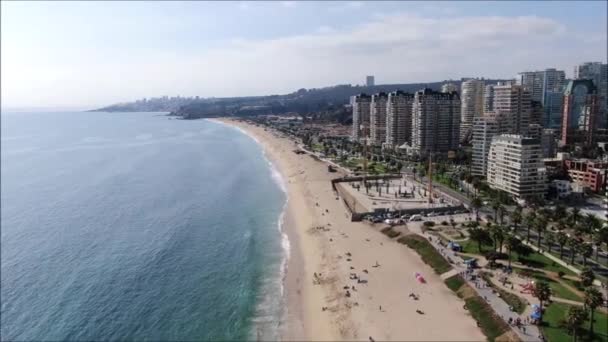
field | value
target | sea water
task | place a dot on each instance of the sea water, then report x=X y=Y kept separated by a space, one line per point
x=120 y=226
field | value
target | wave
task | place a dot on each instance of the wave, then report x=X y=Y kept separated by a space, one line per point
x=265 y=306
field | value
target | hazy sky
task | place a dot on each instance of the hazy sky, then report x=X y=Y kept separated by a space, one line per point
x=89 y=54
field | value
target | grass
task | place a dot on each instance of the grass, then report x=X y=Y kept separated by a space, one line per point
x=519 y=305
x=556 y=312
x=537 y=260
x=427 y=252
x=491 y=325
x=390 y=232
x=454 y=282
x=557 y=289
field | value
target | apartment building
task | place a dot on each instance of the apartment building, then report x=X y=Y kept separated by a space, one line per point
x=580 y=115
x=472 y=103
x=377 y=122
x=538 y=83
x=515 y=165
x=399 y=118
x=360 y=105
x=513 y=102
x=598 y=72
x=484 y=129
x=589 y=173
x=435 y=122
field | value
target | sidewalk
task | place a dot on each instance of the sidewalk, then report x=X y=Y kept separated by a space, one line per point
x=498 y=305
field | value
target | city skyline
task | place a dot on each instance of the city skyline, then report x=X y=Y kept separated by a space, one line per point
x=69 y=55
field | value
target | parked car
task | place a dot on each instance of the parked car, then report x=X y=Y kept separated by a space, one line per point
x=415 y=217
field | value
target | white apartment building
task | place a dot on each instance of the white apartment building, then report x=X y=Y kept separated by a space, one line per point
x=435 y=122
x=377 y=122
x=361 y=109
x=398 y=118
x=515 y=165
x=484 y=129
x=514 y=104
x=472 y=103
x=448 y=87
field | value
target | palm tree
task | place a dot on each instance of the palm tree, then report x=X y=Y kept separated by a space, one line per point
x=558 y=212
x=587 y=276
x=497 y=236
x=480 y=235
x=542 y=291
x=574 y=319
x=497 y=206
x=540 y=226
x=593 y=299
x=511 y=243
x=586 y=251
x=561 y=238
x=476 y=204
x=575 y=216
x=550 y=240
x=516 y=216
x=591 y=223
x=599 y=237
x=530 y=220
x=573 y=246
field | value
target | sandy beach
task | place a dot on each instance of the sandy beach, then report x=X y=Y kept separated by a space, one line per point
x=318 y=308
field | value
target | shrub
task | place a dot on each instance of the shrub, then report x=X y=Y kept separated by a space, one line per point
x=445 y=223
x=428 y=224
x=561 y=274
x=492 y=255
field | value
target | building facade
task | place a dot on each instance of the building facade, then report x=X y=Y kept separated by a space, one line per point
x=360 y=105
x=399 y=118
x=579 y=118
x=589 y=173
x=488 y=98
x=515 y=166
x=370 y=81
x=484 y=129
x=513 y=103
x=472 y=105
x=598 y=72
x=553 y=110
x=435 y=122
x=448 y=87
x=538 y=83
x=377 y=122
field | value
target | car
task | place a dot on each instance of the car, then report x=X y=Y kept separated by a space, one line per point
x=415 y=218
x=432 y=214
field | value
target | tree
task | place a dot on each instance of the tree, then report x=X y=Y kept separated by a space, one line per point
x=600 y=236
x=574 y=216
x=540 y=226
x=574 y=319
x=561 y=238
x=593 y=299
x=586 y=251
x=530 y=221
x=542 y=291
x=591 y=223
x=516 y=216
x=573 y=246
x=587 y=276
x=512 y=243
x=558 y=212
x=476 y=204
x=479 y=235
x=497 y=206
x=550 y=240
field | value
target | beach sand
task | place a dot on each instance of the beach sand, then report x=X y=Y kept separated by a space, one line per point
x=381 y=308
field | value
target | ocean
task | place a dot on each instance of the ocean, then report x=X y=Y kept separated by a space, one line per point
x=122 y=226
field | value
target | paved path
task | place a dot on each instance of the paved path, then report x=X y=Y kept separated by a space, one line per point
x=498 y=305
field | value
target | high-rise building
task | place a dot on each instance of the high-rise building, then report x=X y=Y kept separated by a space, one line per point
x=579 y=119
x=377 y=119
x=512 y=103
x=553 y=109
x=548 y=143
x=370 y=81
x=399 y=118
x=537 y=112
x=471 y=97
x=538 y=83
x=598 y=72
x=484 y=129
x=361 y=109
x=515 y=165
x=435 y=122
x=488 y=98
x=448 y=87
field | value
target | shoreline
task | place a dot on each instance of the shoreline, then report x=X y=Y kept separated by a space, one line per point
x=322 y=238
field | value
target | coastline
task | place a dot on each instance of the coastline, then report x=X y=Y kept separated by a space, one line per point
x=377 y=309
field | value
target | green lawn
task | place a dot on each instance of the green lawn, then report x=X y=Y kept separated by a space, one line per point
x=537 y=260
x=556 y=312
x=557 y=289
x=491 y=325
x=427 y=252
x=454 y=282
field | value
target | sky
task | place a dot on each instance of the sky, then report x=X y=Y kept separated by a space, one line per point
x=91 y=54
